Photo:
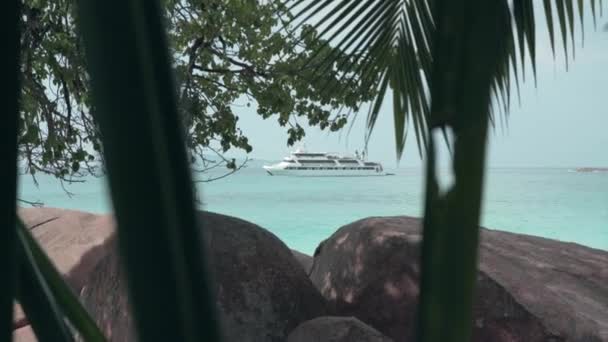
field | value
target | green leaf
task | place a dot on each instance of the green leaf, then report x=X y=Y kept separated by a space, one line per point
x=593 y=13
x=158 y=231
x=65 y=298
x=520 y=23
x=37 y=299
x=562 y=24
x=461 y=100
x=374 y=112
x=581 y=13
x=9 y=128
x=570 y=14
x=371 y=31
x=549 y=16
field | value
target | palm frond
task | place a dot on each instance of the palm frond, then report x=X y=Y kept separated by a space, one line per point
x=10 y=35
x=390 y=37
x=158 y=234
x=389 y=42
x=449 y=65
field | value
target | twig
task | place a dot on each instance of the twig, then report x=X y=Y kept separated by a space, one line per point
x=36 y=204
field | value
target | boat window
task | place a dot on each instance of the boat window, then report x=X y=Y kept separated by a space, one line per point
x=317 y=161
x=299 y=154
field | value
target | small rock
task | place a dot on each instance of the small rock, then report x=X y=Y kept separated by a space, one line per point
x=336 y=329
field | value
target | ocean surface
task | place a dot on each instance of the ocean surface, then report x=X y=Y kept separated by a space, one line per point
x=553 y=203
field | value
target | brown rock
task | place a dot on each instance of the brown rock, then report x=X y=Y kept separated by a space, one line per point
x=336 y=329
x=105 y=298
x=24 y=334
x=304 y=259
x=19 y=319
x=529 y=288
x=262 y=292
x=75 y=241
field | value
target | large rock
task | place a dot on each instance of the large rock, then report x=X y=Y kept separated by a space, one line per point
x=528 y=289
x=262 y=292
x=105 y=298
x=336 y=329
x=75 y=241
x=305 y=260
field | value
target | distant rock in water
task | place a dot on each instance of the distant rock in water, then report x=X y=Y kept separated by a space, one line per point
x=528 y=288
x=591 y=169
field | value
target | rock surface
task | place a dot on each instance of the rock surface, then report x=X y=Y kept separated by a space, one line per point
x=336 y=329
x=24 y=334
x=262 y=291
x=304 y=259
x=74 y=240
x=105 y=298
x=529 y=288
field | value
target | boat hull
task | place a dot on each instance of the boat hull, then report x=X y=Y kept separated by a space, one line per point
x=322 y=172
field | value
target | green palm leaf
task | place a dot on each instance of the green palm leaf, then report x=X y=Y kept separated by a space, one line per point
x=66 y=301
x=9 y=97
x=158 y=236
x=378 y=32
x=448 y=64
x=37 y=299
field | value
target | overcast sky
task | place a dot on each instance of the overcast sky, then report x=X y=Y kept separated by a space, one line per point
x=561 y=123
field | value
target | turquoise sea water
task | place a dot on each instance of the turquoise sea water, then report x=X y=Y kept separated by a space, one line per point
x=553 y=203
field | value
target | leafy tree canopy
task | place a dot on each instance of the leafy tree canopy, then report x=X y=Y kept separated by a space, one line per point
x=223 y=51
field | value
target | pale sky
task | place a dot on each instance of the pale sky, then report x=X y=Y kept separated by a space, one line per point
x=561 y=123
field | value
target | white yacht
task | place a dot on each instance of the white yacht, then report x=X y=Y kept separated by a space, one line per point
x=302 y=163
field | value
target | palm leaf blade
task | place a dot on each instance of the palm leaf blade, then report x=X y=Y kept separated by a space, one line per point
x=549 y=16
x=63 y=295
x=9 y=20
x=570 y=14
x=562 y=23
x=158 y=234
x=37 y=300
